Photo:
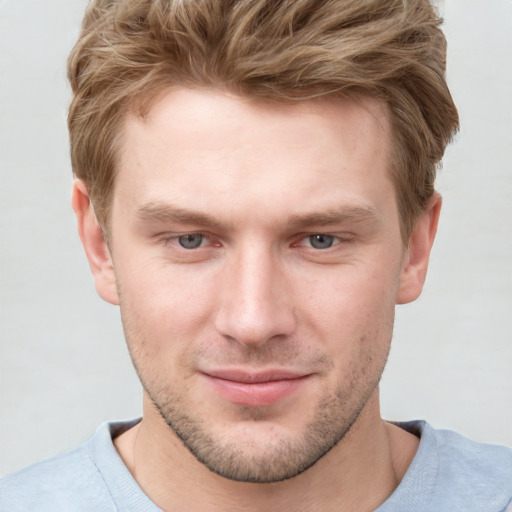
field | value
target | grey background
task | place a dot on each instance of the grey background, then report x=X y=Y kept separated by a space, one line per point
x=63 y=363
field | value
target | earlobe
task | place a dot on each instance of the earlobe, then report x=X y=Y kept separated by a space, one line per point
x=93 y=240
x=415 y=264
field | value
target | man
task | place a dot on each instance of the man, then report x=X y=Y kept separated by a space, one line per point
x=255 y=191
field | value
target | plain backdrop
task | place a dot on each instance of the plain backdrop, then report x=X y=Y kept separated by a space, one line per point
x=63 y=363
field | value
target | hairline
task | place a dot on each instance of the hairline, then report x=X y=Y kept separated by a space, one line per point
x=140 y=106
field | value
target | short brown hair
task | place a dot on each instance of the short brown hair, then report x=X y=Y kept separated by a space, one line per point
x=129 y=51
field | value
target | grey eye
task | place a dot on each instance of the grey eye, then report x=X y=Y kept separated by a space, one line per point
x=191 y=241
x=321 y=241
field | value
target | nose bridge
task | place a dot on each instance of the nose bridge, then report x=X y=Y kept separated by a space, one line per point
x=254 y=302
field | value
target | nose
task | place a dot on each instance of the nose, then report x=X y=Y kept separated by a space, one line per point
x=255 y=303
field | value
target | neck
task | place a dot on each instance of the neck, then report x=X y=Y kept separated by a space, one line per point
x=358 y=474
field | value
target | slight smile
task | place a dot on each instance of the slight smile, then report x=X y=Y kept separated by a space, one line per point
x=254 y=389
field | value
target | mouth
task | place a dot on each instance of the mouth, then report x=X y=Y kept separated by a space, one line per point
x=255 y=389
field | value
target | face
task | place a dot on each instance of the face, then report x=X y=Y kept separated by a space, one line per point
x=258 y=258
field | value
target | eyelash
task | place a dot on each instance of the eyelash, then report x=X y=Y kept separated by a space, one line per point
x=301 y=241
x=174 y=239
x=336 y=240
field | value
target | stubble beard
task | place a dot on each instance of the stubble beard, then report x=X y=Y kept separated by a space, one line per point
x=282 y=460
x=282 y=457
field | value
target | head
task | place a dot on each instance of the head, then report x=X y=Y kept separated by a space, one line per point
x=262 y=177
x=130 y=52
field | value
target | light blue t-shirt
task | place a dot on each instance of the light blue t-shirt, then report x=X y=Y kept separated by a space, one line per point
x=448 y=474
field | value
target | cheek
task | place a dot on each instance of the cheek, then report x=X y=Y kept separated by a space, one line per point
x=164 y=293
x=351 y=311
x=162 y=311
x=352 y=291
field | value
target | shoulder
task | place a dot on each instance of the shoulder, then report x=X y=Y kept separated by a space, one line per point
x=483 y=470
x=68 y=482
x=54 y=484
x=71 y=482
x=460 y=456
x=466 y=475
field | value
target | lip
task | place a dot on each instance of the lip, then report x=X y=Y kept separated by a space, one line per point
x=255 y=389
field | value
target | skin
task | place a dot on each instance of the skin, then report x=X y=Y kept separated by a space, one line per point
x=298 y=266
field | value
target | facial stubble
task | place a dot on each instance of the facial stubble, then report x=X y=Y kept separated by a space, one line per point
x=282 y=457
x=279 y=462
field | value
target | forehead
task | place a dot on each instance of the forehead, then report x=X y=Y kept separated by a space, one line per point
x=181 y=112
x=226 y=153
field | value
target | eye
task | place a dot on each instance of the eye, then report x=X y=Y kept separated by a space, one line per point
x=191 y=240
x=320 y=241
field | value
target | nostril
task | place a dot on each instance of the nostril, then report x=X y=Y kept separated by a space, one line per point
x=255 y=324
x=253 y=304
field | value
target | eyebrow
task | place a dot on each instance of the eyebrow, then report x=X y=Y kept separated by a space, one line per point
x=167 y=214
x=353 y=213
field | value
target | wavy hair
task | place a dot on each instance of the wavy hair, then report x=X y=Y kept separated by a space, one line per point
x=130 y=51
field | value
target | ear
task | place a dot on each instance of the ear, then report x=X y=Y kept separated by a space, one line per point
x=94 y=243
x=415 y=263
